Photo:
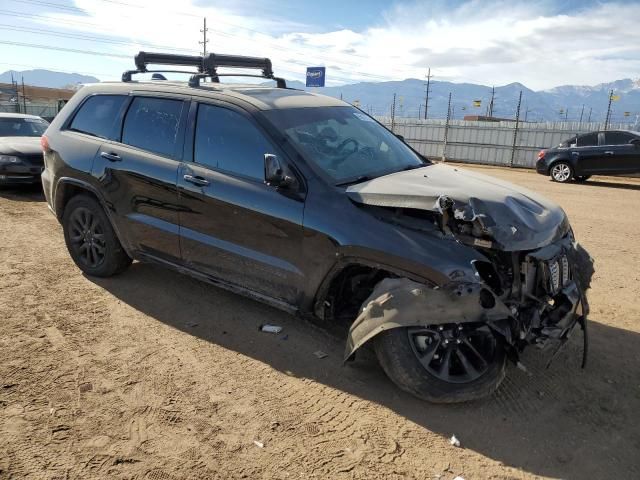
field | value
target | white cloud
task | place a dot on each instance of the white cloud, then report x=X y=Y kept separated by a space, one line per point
x=493 y=43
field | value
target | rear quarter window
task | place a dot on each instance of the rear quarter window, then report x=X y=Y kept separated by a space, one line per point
x=97 y=116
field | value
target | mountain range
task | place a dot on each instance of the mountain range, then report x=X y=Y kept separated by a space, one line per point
x=559 y=103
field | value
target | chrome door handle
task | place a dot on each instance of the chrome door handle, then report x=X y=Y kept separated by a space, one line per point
x=577 y=154
x=112 y=157
x=608 y=152
x=196 y=180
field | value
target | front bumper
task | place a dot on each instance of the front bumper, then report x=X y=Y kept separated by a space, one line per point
x=532 y=313
x=24 y=171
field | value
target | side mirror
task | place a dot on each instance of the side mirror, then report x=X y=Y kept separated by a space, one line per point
x=635 y=142
x=274 y=172
x=400 y=137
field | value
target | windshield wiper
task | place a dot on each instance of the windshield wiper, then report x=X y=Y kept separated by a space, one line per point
x=360 y=179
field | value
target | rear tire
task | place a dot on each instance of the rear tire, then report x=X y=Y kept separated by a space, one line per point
x=91 y=240
x=561 y=172
x=414 y=362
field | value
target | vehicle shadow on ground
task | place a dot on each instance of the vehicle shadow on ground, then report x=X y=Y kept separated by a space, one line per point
x=562 y=422
x=604 y=183
x=23 y=193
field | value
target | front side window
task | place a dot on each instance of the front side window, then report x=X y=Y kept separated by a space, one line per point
x=152 y=124
x=22 y=127
x=344 y=142
x=97 y=116
x=227 y=140
x=617 y=138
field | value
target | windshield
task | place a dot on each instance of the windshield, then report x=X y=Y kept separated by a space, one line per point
x=22 y=127
x=345 y=143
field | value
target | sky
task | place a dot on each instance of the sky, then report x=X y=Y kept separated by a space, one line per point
x=541 y=44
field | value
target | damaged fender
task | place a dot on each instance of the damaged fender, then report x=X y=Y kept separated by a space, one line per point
x=400 y=302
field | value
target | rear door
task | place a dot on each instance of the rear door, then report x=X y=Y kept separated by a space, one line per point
x=588 y=155
x=233 y=226
x=138 y=174
x=624 y=157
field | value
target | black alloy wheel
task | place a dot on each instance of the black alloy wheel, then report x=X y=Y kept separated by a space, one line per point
x=454 y=353
x=87 y=237
x=90 y=238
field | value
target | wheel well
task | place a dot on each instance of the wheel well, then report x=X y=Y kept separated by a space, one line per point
x=66 y=192
x=348 y=289
x=557 y=160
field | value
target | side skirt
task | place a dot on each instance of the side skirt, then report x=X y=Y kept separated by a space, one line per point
x=245 y=292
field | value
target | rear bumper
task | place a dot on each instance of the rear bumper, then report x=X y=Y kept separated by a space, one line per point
x=541 y=168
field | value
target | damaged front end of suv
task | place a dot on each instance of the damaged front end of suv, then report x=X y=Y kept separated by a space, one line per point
x=525 y=286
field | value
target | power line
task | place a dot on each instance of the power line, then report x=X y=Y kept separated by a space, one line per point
x=53 y=33
x=61 y=49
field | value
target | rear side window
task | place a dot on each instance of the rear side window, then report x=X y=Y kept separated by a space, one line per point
x=97 y=116
x=588 y=140
x=617 y=138
x=227 y=140
x=152 y=124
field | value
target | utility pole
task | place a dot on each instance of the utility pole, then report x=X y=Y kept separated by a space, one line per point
x=493 y=93
x=24 y=97
x=446 y=130
x=581 y=113
x=204 y=41
x=566 y=114
x=606 y=121
x=426 y=97
x=515 y=132
x=589 y=119
x=393 y=113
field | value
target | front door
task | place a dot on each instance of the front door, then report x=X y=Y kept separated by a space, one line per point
x=233 y=226
x=624 y=155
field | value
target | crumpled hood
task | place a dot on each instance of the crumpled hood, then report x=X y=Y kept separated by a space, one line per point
x=515 y=218
x=20 y=146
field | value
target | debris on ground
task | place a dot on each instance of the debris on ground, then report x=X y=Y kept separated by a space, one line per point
x=459 y=478
x=258 y=444
x=270 y=328
x=454 y=441
x=320 y=354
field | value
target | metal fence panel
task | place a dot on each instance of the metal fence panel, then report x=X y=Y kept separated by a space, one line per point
x=489 y=143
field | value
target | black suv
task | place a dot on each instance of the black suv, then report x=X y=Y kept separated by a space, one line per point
x=307 y=203
x=612 y=152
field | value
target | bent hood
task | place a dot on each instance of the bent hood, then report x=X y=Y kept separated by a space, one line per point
x=20 y=145
x=515 y=218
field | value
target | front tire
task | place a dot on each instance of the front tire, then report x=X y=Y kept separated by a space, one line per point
x=91 y=240
x=561 y=172
x=445 y=363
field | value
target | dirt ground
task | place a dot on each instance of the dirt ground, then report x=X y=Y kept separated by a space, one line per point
x=153 y=375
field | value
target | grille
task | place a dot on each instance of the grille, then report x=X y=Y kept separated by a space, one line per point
x=559 y=273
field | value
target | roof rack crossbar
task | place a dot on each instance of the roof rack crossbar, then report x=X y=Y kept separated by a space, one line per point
x=194 y=81
x=207 y=66
x=212 y=61
x=142 y=59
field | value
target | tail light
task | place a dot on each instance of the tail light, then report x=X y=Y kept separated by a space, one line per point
x=44 y=143
x=541 y=154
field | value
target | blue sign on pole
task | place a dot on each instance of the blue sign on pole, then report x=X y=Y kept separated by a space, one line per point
x=315 y=76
